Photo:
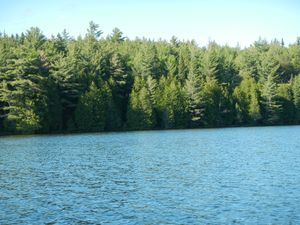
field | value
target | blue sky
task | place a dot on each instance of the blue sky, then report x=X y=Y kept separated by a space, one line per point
x=226 y=22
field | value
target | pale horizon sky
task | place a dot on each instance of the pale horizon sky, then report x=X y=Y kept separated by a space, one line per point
x=226 y=22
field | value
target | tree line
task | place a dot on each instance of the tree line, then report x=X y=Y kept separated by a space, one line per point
x=95 y=83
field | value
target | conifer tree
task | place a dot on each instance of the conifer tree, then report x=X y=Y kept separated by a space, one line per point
x=120 y=84
x=212 y=94
x=172 y=103
x=92 y=108
x=117 y=35
x=271 y=106
x=296 y=96
x=247 y=102
x=23 y=93
x=195 y=102
x=141 y=106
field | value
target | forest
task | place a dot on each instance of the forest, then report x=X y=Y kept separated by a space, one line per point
x=95 y=83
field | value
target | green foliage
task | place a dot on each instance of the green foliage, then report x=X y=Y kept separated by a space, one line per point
x=62 y=84
x=93 y=31
x=294 y=53
x=66 y=74
x=92 y=108
x=117 y=35
x=141 y=105
x=271 y=106
x=247 y=106
x=285 y=98
x=248 y=62
x=212 y=97
x=120 y=84
x=172 y=103
x=296 y=96
x=24 y=100
x=183 y=62
x=195 y=102
x=146 y=62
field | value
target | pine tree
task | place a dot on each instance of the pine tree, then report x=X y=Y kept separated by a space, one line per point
x=296 y=96
x=147 y=62
x=270 y=102
x=210 y=63
x=141 y=106
x=22 y=88
x=117 y=35
x=172 y=103
x=91 y=111
x=171 y=63
x=183 y=63
x=120 y=84
x=34 y=38
x=195 y=101
x=72 y=75
x=93 y=32
x=285 y=99
x=248 y=61
x=247 y=102
x=254 y=106
x=211 y=94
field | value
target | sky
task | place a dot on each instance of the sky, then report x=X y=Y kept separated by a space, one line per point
x=229 y=22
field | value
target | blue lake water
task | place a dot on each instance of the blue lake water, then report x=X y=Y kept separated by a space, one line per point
x=209 y=176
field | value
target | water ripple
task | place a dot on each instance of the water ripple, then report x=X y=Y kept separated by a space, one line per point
x=212 y=176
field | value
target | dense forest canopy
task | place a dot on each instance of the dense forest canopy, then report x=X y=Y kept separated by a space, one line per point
x=95 y=83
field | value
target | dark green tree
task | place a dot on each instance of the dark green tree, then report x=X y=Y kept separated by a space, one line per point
x=120 y=83
x=211 y=94
x=92 y=108
x=296 y=96
x=146 y=62
x=271 y=106
x=195 y=102
x=285 y=99
x=172 y=103
x=23 y=92
x=72 y=77
x=141 y=106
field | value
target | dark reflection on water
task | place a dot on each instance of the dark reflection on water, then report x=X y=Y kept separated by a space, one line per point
x=213 y=176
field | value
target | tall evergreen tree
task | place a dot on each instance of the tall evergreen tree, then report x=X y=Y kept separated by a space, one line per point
x=120 y=83
x=147 y=62
x=117 y=35
x=212 y=95
x=183 y=62
x=271 y=106
x=248 y=62
x=93 y=32
x=141 y=106
x=195 y=102
x=23 y=93
x=92 y=108
x=172 y=103
x=285 y=99
x=296 y=96
x=247 y=102
x=72 y=76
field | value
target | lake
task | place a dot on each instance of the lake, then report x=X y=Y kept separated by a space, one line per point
x=208 y=176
